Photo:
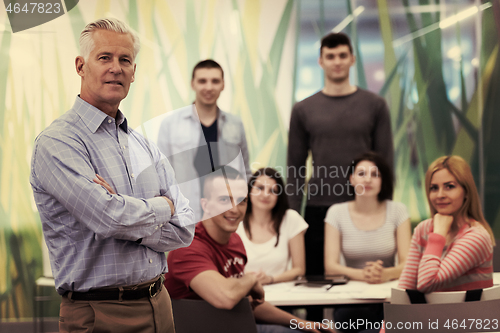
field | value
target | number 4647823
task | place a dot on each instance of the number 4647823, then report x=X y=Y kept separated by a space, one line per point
x=36 y=7
x=479 y=324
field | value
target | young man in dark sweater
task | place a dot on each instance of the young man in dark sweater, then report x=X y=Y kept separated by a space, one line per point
x=337 y=124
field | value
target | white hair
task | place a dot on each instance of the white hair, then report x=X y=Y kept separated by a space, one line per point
x=110 y=24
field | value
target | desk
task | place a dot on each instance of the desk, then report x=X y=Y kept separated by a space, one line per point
x=287 y=294
x=38 y=324
x=354 y=292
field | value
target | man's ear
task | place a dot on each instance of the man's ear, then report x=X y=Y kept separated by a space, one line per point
x=320 y=62
x=133 y=75
x=79 y=62
x=203 y=202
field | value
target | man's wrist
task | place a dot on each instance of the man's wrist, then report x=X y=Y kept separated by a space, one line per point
x=253 y=279
x=170 y=205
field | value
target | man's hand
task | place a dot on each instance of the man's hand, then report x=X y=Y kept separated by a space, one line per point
x=263 y=278
x=171 y=204
x=256 y=294
x=442 y=224
x=99 y=180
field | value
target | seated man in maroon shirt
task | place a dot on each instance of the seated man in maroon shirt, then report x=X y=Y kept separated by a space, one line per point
x=211 y=268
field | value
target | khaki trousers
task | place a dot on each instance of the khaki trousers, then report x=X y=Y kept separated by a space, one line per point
x=148 y=315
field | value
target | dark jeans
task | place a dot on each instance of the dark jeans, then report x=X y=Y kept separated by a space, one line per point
x=314 y=242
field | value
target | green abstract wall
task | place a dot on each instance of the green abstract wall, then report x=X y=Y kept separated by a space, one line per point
x=253 y=40
x=440 y=103
x=437 y=65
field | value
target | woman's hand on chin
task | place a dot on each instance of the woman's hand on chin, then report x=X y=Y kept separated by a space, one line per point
x=442 y=224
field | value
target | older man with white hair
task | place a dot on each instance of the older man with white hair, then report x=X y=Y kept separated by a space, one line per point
x=108 y=200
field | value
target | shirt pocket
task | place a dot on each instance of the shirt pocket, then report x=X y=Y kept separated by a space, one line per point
x=231 y=134
x=185 y=138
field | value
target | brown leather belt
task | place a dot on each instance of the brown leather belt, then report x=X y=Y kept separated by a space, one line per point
x=117 y=294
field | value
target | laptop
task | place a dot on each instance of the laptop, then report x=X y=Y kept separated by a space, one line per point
x=321 y=280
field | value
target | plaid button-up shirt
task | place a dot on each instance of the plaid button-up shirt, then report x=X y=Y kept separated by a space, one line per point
x=97 y=239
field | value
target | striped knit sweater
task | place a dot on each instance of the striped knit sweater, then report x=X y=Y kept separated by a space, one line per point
x=467 y=263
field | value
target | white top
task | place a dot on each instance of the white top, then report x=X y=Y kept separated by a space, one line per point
x=360 y=246
x=179 y=138
x=268 y=258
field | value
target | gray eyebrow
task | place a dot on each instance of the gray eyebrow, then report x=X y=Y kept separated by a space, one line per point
x=111 y=53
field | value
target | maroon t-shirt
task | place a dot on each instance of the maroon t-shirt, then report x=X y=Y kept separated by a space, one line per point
x=202 y=255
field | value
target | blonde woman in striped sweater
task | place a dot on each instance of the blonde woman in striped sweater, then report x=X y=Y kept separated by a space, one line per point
x=453 y=251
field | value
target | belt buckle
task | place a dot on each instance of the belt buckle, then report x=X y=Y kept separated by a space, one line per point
x=151 y=287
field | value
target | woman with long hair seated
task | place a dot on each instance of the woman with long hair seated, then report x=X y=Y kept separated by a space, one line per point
x=272 y=234
x=452 y=251
x=369 y=232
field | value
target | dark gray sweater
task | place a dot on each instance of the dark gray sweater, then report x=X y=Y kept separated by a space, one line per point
x=337 y=129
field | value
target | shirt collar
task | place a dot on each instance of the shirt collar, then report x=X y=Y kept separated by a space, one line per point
x=193 y=115
x=93 y=117
x=121 y=121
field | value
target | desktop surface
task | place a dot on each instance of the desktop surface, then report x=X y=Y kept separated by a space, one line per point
x=353 y=292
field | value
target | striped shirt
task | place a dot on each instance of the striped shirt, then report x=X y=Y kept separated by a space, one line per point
x=92 y=235
x=359 y=246
x=465 y=264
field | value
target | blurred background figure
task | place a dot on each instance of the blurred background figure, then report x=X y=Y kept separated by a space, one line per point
x=273 y=235
x=200 y=137
x=453 y=250
x=369 y=232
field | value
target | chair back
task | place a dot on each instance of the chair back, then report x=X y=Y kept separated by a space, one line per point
x=194 y=316
x=400 y=296
x=472 y=311
x=496 y=256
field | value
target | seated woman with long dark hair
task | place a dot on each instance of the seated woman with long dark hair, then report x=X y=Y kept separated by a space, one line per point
x=273 y=235
x=452 y=251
